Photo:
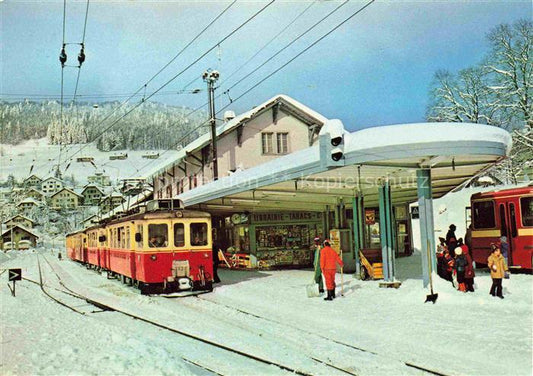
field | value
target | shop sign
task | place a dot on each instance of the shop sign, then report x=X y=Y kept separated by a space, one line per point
x=370 y=216
x=335 y=240
x=286 y=217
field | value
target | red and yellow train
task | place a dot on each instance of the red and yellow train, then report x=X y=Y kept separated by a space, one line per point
x=508 y=213
x=161 y=251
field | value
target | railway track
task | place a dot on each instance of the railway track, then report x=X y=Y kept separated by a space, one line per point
x=341 y=343
x=73 y=303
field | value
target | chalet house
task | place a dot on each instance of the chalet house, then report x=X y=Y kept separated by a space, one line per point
x=277 y=127
x=35 y=194
x=66 y=198
x=27 y=205
x=100 y=179
x=51 y=185
x=111 y=201
x=32 y=181
x=22 y=238
x=90 y=221
x=19 y=220
x=92 y=194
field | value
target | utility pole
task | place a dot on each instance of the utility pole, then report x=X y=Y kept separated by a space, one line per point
x=211 y=76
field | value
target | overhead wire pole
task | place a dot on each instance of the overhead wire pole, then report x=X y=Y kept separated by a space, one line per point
x=211 y=76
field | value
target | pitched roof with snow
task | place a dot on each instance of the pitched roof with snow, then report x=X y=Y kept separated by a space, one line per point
x=289 y=104
x=18 y=215
x=92 y=186
x=20 y=227
x=65 y=189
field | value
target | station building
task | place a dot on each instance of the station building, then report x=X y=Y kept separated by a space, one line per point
x=274 y=196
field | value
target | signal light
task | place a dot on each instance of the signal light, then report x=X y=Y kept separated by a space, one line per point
x=331 y=141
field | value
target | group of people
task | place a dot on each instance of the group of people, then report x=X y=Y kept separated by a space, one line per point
x=325 y=263
x=455 y=264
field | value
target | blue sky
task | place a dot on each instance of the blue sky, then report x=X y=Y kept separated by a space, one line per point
x=374 y=70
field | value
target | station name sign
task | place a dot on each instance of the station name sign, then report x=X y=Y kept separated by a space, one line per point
x=286 y=217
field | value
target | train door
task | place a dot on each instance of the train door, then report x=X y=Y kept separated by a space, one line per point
x=508 y=228
x=512 y=238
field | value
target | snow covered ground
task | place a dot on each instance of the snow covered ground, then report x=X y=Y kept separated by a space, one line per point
x=466 y=334
x=17 y=161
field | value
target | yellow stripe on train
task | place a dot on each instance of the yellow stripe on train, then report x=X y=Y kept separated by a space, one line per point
x=486 y=233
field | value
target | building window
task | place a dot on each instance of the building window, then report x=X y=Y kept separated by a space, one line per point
x=267 y=142
x=282 y=143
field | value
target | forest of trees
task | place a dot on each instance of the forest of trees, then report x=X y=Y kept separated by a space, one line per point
x=151 y=126
x=498 y=91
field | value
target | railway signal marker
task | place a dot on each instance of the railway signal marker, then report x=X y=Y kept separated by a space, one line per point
x=14 y=275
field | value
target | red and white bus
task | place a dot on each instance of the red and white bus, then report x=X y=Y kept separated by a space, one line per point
x=508 y=213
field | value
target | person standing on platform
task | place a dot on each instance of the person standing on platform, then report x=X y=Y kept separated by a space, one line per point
x=469 y=269
x=328 y=263
x=316 y=263
x=451 y=239
x=497 y=267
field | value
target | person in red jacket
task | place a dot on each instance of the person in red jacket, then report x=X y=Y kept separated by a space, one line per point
x=328 y=263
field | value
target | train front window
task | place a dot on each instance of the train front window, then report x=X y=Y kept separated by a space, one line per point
x=179 y=235
x=198 y=234
x=526 y=209
x=157 y=235
x=483 y=214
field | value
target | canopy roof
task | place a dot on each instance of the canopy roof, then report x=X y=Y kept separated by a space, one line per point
x=300 y=181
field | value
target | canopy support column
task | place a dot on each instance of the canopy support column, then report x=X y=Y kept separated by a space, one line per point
x=358 y=210
x=386 y=228
x=427 y=230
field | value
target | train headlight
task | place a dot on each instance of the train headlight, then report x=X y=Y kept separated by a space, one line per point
x=206 y=255
x=153 y=257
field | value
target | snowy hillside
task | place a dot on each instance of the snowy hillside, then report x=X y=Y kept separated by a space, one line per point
x=18 y=160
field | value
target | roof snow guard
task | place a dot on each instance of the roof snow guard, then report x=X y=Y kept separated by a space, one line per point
x=312 y=178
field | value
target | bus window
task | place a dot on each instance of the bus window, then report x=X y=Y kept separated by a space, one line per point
x=526 y=204
x=179 y=235
x=483 y=214
x=512 y=214
x=198 y=234
x=157 y=235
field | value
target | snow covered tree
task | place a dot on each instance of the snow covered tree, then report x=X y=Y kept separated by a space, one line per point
x=463 y=98
x=511 y=62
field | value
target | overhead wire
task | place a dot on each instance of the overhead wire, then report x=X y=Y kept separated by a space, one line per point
x=267 y=77
x=82 y=49
x=269 y=42
x=62 y=55
x=180 y=73
x=144 y=86
x=277 y=53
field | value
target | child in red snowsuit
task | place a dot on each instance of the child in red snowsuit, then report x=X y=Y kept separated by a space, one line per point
x=328 y=263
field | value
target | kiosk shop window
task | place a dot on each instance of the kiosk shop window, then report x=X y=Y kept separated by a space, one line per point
x=291 y=236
